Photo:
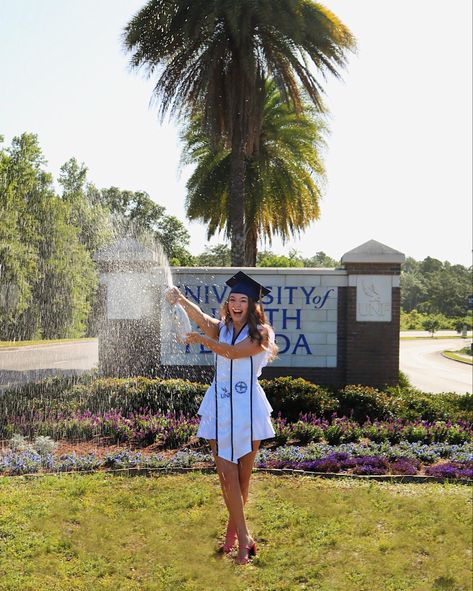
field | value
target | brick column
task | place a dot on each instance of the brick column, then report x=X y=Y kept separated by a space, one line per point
x=372 y=314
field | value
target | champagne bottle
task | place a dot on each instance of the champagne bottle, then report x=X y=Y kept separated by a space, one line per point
x=180 y=322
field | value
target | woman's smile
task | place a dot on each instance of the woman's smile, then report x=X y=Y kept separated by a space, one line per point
x=238 y=307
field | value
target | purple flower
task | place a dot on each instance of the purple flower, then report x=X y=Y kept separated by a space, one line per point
x=451 y=470
x=404 y=466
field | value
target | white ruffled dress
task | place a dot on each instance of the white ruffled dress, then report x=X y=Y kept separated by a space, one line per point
x=235 y=410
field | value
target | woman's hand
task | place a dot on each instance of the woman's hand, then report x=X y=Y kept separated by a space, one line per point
x=194 y=337
x=172 y=295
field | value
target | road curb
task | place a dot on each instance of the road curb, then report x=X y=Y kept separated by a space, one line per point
x=465 y=362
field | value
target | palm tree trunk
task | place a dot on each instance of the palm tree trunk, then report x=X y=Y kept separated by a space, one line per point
x=251 y=247
x=237 y=196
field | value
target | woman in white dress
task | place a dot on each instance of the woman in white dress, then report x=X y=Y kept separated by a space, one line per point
x=235 y=413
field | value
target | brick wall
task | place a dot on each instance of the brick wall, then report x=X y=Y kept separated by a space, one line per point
x=372 y=348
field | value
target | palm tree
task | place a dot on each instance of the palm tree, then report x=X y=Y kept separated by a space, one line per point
x=283 y=179
x=215 y=55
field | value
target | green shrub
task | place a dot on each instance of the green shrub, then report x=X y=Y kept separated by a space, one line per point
x=416 y=433
x=282 y=430
x=178 y=435
x=117 y=431
x=342 y=431
x=380 y=432
x=462 y=406
x=71 y=429
x=305 y=432
x=414 y=404
x=456 y=435
x=49 y=398
x=404 y=381
x=292 y=396
x=140 y=394
x=362 y=402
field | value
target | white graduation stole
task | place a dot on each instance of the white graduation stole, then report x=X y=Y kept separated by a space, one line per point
x=234 y=385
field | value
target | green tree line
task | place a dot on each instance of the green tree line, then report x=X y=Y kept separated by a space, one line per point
x=48 y=235
x=435 y=287
x=434 y=295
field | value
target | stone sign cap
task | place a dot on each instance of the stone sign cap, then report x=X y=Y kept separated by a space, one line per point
x=126 y=250
x=373 y=252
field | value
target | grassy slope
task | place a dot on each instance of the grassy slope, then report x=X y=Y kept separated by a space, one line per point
x=105 y=532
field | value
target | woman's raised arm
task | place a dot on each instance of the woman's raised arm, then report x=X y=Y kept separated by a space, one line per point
x=205 y=322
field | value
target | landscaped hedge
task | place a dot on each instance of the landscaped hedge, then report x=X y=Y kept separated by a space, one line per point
x=361 y=402
x=292 y=396
x=60 y=398
x=415 y=404
x=171 y=431
x=140 y=395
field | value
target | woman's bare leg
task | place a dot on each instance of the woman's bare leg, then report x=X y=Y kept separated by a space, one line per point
x=231 y=526
x=230 y=482
x=245 y=468
x=235 y=482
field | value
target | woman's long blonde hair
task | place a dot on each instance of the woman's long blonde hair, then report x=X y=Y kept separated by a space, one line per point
x=256 y=316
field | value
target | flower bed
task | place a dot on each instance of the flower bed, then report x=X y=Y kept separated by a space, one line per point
x=31 y=462
x=424 y=453
x=61 y=397
x=369 y=460
x=309 y=428
x=442 y=460
x=397 y=431
x=172 y=430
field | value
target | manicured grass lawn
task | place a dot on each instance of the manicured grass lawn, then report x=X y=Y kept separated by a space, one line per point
x=41 y=342
x=104 y=532
x=430 y=338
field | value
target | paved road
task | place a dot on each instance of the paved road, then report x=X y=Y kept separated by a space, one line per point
x=32 y=363
x=420 y=359
x=428 y=370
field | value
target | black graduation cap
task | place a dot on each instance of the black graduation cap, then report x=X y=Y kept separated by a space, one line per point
x=241 y=283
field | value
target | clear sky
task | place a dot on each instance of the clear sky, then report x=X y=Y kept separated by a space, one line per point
x=399 y=153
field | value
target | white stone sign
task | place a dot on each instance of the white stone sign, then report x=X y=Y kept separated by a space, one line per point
x=373 y=298
x=302 y=308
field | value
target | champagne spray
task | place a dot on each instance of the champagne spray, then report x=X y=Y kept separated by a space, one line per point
x=180 y=321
